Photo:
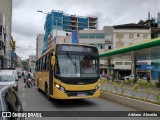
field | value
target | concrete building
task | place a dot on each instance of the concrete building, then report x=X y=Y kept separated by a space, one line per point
x=70 y=23
x=154 y=23
x=56 y=36
x=6 y=42
x=39 y=45
x=57 y=20
x=124 y=35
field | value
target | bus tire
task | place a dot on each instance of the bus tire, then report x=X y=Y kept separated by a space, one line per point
x=39 y=90
x=46 y=92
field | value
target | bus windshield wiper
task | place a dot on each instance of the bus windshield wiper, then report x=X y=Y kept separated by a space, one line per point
x=73 y=62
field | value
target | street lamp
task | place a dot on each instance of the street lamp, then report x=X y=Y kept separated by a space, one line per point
x=51 y=22
x=41 y=11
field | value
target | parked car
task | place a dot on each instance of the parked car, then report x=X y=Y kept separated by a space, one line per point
x=129 y=77
x=8 y=77
x=12 y=71
x=10 y=102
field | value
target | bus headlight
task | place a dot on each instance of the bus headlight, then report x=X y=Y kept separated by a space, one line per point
x=60 y=87
x=97 y=87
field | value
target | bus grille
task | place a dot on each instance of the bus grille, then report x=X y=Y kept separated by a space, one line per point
x=80 y=93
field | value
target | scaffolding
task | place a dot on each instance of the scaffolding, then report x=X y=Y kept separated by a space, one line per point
x=69 y=23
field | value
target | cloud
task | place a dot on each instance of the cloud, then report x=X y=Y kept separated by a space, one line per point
x=18 y=3
x=28 y=23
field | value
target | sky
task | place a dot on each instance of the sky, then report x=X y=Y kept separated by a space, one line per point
x=27 y=23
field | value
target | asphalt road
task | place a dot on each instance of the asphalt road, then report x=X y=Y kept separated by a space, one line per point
x=32 y=100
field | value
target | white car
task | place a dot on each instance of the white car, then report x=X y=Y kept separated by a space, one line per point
x=9 y=77
x=129 y=77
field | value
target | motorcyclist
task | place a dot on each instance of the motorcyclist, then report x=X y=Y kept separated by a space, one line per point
x=28 y=77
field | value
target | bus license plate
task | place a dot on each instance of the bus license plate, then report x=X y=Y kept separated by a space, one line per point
x=81 y=94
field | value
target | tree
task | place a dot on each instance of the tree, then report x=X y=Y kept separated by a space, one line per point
x=25 y=65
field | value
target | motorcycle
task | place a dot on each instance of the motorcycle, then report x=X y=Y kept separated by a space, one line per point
x=29 y=83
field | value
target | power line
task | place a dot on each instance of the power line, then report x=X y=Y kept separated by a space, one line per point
x=138 y=11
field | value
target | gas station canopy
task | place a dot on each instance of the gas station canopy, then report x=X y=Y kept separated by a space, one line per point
x=146 y=50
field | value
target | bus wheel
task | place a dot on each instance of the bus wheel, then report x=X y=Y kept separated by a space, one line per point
x=46 y=91
x=39 y=90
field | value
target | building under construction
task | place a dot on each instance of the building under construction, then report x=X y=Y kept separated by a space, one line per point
x=57 y=20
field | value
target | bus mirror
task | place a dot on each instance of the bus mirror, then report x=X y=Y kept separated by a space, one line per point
x=52 y=60
x=52 y=54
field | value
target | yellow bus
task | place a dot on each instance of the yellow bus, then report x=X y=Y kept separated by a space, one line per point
x=68 y=71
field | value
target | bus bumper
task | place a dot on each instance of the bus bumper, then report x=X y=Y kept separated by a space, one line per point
x=75 y=94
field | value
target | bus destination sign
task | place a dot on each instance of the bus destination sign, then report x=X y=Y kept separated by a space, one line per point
x=76 y=48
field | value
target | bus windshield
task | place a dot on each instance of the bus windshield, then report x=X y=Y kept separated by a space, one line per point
x=76 y=65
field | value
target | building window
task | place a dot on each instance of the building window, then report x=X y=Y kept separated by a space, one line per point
x=91 y=36
x=138 y=35
x=127 y=63
x=99 y=35
x=119 y=63
x=108 y=37
x=85 y=36
x=119 y=36
x=131 y=36
x=145 y=36
x=81 y=36
x=109 y=47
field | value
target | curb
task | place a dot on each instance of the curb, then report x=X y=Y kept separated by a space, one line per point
x=137 y=104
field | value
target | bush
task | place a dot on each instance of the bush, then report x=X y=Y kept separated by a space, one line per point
x=141 y=84
x=135 y=88
x=111 y=84
x=130 y=83
x=149 y=87
x=157 y=97
x=122 y=87
x=115 y=87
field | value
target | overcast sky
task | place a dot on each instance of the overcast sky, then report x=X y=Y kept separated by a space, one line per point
x=27 y=22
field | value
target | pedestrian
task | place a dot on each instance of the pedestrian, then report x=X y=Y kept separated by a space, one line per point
x=148 y=78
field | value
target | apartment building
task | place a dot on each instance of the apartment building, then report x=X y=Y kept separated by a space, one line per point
x=124 y=35
x=39 y=45
x=6 y=41
x=58 y=20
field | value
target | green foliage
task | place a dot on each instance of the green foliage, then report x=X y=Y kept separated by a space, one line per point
x=103 y=80
x=157 y=97
x=122 y=87
x=145 y=86
x=25 y=65
x=135 y=88
x=140 y=83
x=111 y=84
x=130 y=83
x=148 y=88
x=115 y=86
